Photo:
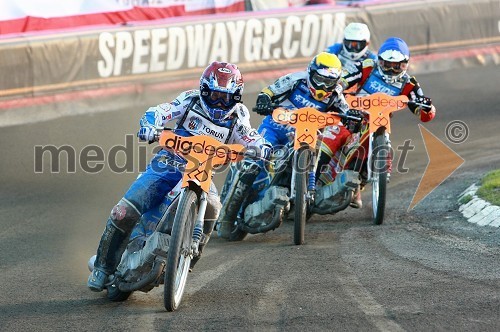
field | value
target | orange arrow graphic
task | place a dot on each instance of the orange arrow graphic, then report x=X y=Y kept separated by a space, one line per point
x=443 y=161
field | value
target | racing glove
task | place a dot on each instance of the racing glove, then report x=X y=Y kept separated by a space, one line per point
x=423 y=108
x=263 y=105
x=355 y=113
x=337 y=91
x=266 y=151
x=354 y=126
x=147 y=134
x=425 y=101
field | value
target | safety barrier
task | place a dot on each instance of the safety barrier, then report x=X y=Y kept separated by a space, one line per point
x=142 y=62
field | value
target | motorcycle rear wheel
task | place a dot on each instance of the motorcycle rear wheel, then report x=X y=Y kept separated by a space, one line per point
x=379 y=176
x=179 y=252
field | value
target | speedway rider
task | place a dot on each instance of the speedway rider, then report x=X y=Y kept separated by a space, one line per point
x=316 y=87
x=354 y=46
x=214 y=110
x=388 y=75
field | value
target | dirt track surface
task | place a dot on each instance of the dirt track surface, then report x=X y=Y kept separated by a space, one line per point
x=423 y=270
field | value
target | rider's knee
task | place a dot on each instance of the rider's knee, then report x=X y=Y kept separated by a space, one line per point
x=250 y=172
x=124 y=215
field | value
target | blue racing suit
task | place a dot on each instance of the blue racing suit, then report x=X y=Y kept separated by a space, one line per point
x=290 y=91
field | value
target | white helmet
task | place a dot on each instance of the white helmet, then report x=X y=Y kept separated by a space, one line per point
x=356 y=40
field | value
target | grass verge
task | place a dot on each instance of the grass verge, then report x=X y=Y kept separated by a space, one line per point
x=490 y=188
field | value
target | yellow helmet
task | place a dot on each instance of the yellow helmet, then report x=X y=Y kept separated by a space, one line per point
x=324 y=71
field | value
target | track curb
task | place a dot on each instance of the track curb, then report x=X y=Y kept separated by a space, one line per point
x=477 y=210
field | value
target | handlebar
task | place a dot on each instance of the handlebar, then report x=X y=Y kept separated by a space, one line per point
x=349 y=117
x=418 y=104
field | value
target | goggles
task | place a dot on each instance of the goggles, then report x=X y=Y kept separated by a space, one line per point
x=224 y=100
x=395 y=67
x=320 y=80
x=355 y=46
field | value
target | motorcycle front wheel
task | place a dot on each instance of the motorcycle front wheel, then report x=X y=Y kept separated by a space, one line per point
x=300 y=214
x=179 y=251
x=379 y=176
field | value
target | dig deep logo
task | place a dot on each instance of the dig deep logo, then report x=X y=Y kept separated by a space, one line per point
x=366 y=103
x=294 y=117
x=186 y=147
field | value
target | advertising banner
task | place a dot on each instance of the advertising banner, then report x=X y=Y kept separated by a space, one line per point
x=176 y=52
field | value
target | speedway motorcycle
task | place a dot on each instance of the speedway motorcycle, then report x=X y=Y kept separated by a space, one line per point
x=366 y=157
x=165 y=256
x=293 y=182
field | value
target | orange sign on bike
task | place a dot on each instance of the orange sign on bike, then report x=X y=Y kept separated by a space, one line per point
x=202 y=153
x=306 y=122
x=380 y=106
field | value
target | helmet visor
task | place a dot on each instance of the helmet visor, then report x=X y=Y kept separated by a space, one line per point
x=355 y=46
x=223 y=100
x=389 y=67
x=328 y=83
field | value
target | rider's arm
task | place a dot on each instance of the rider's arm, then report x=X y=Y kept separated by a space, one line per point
x=355 y=73
x=276 y=92
x=338 y=104
x=246 y=135
x=283 y=85
x=414 y=93
x=159 y=115
x=334 y=49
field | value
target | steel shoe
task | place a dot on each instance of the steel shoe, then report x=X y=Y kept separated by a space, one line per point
x=97 y=280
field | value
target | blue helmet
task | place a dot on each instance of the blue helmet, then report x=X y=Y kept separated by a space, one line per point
x=393 y=58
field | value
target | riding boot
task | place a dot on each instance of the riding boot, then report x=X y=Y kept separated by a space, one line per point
x=322 y=167
x=389 y=166
x=356 y=201
x=232 y=207
x=113 y=242
x=111 y=247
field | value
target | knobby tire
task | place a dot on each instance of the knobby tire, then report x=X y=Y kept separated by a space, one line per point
x=180 y=243
x=379 y=185
x=300 y=213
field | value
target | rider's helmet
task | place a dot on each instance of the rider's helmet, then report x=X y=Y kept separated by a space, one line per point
x=356 y=40
x=393 y=57
x=221 y=87
x=324 y=72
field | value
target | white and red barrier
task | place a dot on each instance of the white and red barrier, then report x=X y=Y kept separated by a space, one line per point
x=23 y=16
